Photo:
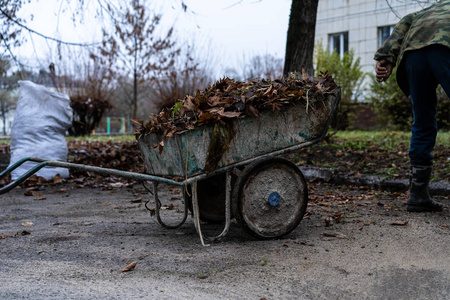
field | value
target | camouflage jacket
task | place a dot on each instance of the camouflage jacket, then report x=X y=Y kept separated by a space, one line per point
x=417 y=30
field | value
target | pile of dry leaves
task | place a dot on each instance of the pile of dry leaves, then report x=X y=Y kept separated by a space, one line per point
x=228 y=99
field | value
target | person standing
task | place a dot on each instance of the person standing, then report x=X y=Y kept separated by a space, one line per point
x=420 y=46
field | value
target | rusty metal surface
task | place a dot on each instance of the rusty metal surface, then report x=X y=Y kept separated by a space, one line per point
x=186 y=154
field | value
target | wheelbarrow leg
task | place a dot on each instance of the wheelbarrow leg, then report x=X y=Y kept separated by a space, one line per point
x=158 y=206
x=227 y=212
x=196 y=213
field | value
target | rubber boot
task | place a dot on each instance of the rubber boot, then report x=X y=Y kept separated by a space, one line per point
x=419 y=195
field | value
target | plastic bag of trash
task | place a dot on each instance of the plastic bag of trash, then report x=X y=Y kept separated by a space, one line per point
x=40 y=123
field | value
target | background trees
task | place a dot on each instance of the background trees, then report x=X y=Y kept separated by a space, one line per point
x=142 y=64
x=10 y=31
x=6 y=87
x=133 y=50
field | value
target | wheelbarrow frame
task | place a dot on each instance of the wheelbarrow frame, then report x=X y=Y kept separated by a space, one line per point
x=155 y=180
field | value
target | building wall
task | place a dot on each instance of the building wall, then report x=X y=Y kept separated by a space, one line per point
x=361 y=19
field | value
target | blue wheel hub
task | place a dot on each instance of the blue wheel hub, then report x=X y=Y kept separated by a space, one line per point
x=274 y=199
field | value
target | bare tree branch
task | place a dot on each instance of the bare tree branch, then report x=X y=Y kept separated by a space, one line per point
x=44 y=36
x=11 y=53
x=393 y=10
x=232 y=5
x=239 y=2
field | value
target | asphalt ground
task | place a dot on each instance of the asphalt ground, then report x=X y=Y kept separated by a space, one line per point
x=67 y=242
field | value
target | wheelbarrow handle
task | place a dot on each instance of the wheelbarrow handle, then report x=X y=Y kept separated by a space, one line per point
x=54 y=163
x=23 y=177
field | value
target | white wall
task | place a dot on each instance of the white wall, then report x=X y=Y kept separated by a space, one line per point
x=361 y=18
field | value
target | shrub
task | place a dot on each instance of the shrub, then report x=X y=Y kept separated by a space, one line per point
x=87 y=114
x=443 y=110
x=394 y=109
x=347 y=73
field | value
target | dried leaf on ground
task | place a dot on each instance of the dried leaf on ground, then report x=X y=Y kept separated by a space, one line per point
x=33 y=193
x=334 y=234
x=60 y=191
x=137 y=200
x=400 y=223
x=129 y=267
x=4 y=236
x=57 y=179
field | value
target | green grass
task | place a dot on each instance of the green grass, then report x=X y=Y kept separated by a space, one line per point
x=383 y=153
x=104 y=138
x=388 y=140
x=92 y=138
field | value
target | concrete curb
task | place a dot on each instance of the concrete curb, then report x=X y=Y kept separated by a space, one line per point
x=398 y=185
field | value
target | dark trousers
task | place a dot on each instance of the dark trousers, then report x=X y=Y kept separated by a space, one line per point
x=425 y=69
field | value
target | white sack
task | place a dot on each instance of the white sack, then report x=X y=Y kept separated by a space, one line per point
x=40 y=123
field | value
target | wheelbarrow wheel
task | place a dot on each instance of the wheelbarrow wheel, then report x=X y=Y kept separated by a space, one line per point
x=211 y=198
x=271 y=198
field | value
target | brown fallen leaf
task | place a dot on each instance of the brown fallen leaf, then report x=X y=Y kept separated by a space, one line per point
x=168 y=207
x=40 y=198
x=33 y=193
x=27 y=223
x=60 y=191
x=4 y=236
x=137 y=200
x=334 y=234
x=125 y=207
x=399 y=223
x=32 y=188
x=129 y=267
x=137 y=121
x=57 y=179
x=161 y=147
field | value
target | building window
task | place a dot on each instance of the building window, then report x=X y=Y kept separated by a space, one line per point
x=338 y=42
x=383 y=33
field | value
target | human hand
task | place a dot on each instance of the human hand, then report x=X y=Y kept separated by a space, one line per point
x=383 y=70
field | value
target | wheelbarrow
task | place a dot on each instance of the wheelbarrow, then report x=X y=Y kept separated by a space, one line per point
x=246 y=179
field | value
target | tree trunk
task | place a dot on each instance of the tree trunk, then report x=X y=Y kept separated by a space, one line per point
x=3 y=113
x=300 y=37
x=135 y=91
x=135 y=75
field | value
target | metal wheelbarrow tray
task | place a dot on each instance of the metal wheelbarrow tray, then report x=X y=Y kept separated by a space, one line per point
x=267 y=195
x=272 y=133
